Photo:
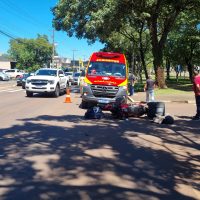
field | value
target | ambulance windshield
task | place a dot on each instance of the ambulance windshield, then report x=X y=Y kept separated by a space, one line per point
x=106 y=69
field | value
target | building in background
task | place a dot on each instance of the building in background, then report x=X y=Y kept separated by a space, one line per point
x=61 y=62
x=70 y=65
x=6 y=62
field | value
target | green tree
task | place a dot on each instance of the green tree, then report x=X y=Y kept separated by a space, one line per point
x=95 y=19
x=31 y=54
x=134 y=42
x=185 y=41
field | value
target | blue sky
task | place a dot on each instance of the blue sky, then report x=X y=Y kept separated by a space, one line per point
x=27 y=18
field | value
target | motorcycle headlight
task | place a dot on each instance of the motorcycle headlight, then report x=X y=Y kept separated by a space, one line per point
x=51 y=81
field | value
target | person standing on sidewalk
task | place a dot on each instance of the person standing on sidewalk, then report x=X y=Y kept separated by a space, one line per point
x=196 y=88
x=131 y=84
x=149 y=89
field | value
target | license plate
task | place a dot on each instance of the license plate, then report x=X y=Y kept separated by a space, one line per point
x=103 y=101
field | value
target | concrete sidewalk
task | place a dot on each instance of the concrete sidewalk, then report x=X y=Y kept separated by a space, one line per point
x=182 y=98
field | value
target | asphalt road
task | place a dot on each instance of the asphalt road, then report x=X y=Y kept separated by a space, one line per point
x=49 y=151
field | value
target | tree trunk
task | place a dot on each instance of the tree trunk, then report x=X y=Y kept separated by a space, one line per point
x=157 y=51
x=129 y=61
x=133 y=70
x=161 y=78
x=159 y=71
x=158 y=40
x=144 y=66
x=168 y=68
x=140 y=74
x=190 y=70
x=139 y=69
x=142 y=52
x=188 y=60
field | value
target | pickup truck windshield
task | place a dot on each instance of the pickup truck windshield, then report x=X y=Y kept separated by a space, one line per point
x=45 y=72
x=106 y=69
x=68 y=73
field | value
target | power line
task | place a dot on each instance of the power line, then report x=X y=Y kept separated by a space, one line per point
x=11 y=36
x=7 y=34
x=8 y=26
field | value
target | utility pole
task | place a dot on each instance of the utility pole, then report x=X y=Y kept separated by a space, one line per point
x=53 y=52
x=73 y=57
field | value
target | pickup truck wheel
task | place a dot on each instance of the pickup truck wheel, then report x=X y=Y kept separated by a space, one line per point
x=57 y=91
x=29 y=94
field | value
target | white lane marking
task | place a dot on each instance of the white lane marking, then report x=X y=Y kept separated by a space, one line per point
x=9 y=86
x=16 y=90
x=6 y=90
x=11 y=90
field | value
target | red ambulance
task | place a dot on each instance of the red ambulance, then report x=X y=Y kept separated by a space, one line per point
x=106 y=79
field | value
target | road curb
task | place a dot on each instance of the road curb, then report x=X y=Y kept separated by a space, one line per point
x=170 y=101
x=180 y=101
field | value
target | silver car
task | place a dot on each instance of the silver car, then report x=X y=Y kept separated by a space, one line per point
x=76 y=78
x=4 y=76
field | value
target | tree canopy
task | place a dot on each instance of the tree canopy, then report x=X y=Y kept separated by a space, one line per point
x=103 y=19
x=184 y=41
x=31 y=54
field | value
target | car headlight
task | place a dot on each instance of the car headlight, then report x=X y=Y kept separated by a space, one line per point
x=28 y=81
x=51 y=81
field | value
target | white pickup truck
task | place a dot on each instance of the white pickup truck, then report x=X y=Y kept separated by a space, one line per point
x=46 y=80
x=14 y=73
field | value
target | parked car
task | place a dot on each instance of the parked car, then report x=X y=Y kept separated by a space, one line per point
x=19 y=79
x=76 y=78
x=14 y=73
x=4 y=76
x=69 y=76
x=22 y=79
x=3 y=70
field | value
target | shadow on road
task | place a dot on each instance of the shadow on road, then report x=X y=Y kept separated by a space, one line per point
x=105 y=159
